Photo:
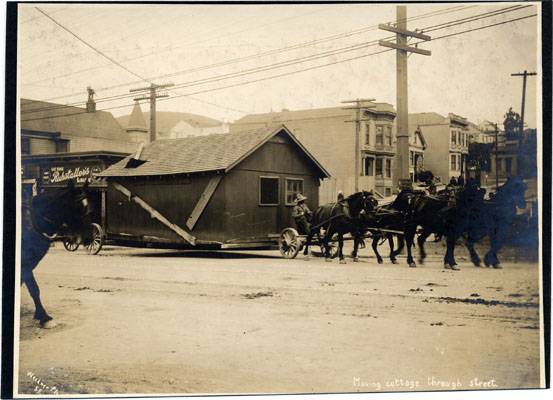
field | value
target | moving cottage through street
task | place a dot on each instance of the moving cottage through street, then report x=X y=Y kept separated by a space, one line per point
x=276 y=198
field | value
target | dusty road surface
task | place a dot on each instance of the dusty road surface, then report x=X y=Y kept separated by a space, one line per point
x=156 y=321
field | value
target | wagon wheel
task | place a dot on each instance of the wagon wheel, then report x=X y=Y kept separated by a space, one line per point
x=96 y=241
x=289 y=243
x=70 y=244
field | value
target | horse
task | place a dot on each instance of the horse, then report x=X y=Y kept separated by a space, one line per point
x=51 y=216
x=392 y=217
x=493 y=218
x=340 y=218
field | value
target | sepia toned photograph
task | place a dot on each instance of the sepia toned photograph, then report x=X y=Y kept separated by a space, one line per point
x=278 y=198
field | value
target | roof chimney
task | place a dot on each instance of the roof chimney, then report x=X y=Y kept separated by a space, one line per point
x=90 y=104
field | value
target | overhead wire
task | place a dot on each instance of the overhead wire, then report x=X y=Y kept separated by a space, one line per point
x=283 y=63
x=258 y=55
x=304 y=69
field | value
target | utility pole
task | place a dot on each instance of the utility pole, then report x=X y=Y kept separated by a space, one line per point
x=402 y=118
x=524 y=75
x=357 y=121
x=152 y=98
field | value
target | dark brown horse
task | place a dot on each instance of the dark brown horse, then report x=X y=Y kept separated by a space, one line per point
x=474 y=219
x=51 y=216
x=338 y=219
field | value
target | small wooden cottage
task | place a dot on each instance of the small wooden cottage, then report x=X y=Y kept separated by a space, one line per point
x=222 y=190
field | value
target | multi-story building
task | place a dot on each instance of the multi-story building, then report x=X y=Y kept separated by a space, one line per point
x=417 y=146
x=330 y=135
x=447 y=143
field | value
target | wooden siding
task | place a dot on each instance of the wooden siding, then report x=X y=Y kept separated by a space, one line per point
x=244 y=217
x=174 y=197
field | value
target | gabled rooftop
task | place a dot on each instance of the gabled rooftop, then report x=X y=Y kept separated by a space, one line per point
x=216 y=152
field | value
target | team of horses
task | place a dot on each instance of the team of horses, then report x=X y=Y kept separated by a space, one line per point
x=67 y=213
x=455 y=213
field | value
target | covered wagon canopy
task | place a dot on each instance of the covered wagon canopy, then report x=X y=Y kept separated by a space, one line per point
x=216 y=152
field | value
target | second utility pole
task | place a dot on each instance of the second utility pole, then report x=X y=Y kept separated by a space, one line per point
x=402 y=118
x=152 y=98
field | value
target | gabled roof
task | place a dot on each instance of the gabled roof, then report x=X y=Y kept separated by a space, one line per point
x=421 y=137
x=69 y=120
x=217 y=152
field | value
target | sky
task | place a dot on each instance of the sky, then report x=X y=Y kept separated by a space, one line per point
x=227 y=61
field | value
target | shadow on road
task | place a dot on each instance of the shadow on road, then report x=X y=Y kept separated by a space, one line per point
x=201 y=254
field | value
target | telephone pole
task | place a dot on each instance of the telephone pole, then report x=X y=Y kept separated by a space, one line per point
x=524 y=75
x=402 y=118
x=357 y=121
x=152 y=98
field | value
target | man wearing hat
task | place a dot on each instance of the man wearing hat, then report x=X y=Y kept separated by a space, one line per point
x=302 y=214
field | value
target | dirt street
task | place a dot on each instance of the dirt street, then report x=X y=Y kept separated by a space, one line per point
x=156 y=321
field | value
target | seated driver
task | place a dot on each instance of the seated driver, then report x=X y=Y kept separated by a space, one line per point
x=302 y=214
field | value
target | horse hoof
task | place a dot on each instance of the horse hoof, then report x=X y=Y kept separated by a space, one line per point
x=342 y=261
x=355 y=259
x=394 y=261
x=497 y=266
x=452 y=267
x=379 y=260
x=49 y=324
x=412 y=265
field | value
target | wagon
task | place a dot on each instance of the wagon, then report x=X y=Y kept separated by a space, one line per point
x=216 y=192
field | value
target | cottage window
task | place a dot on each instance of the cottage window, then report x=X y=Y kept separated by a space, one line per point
x=453 y=138
x=388 y=168
x=368 y=165
x=411 y=158
x=269 y=190
x=458 y=162
x=293 y=187
x=453 y=162
x=378 y=167
x=389 y=135
x=367 y=134
x=379 y=135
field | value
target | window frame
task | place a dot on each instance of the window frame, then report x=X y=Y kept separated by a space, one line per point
x=388 y=171
x=389 y=135
x=277 y=178
x=372 y=163
x=286 y=180
x=376 y=174
x=453 y=162
x=379 y=135
x=368 y=134
x=453 y=138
